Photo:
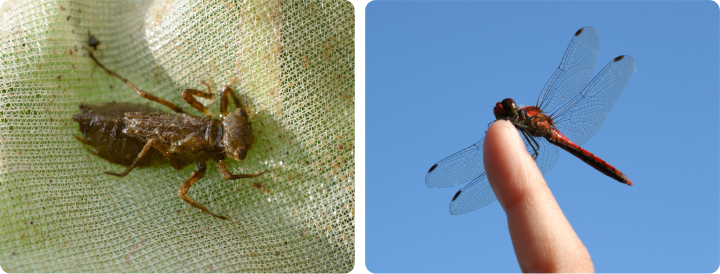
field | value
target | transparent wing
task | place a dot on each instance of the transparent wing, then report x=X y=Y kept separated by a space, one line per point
x=584 y=113
x=574 y=71
x=478 y=193
x=463 y=166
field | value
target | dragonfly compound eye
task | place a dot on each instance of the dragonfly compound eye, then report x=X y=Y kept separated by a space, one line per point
x=509 y=106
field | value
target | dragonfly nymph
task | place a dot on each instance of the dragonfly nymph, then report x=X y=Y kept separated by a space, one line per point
x=136 y=135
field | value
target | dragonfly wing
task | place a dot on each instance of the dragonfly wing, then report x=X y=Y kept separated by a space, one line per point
x=574 y=71
x=547 y=156
x=478 y=192
x=458 y=168
x=584 y=113
x=475 y=195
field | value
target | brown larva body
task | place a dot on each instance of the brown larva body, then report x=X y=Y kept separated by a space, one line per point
x=102 y=128
x=138 y=135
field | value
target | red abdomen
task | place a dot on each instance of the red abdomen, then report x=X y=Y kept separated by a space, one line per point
x=563 y=142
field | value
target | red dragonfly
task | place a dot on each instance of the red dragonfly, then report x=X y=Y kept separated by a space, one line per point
x=578 y=110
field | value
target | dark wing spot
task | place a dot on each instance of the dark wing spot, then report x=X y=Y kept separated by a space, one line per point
x=432 y=168
x=579 y=31
x=619 y=58
x=456 y=195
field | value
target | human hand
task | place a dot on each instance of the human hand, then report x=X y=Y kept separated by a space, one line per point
x=542 y=237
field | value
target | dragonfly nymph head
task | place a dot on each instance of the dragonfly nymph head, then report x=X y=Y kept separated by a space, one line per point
x=237 y=135
x=506 y=109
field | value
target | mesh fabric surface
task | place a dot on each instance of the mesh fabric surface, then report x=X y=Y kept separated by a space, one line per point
x=292 y=61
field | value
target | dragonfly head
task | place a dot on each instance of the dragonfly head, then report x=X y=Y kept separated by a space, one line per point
x=505 y=109
x=237 y=135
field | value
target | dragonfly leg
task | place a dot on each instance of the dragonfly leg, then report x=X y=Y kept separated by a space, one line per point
x=229 y=176
x=533 y=143
x=140 y=92
x=152 y=143
x=189 y=97
x=197 y=175
x=228 y=92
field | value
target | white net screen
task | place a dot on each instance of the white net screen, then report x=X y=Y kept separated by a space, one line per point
x=292 y=61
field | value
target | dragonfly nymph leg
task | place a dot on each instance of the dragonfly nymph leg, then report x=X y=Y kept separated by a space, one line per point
x=139 y=92
x=197 y=175
x=229 y=176
x=189 y=96
x=228 y=92
x=152 y=143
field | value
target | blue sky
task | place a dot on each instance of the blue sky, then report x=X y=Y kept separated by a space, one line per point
x=434 y=71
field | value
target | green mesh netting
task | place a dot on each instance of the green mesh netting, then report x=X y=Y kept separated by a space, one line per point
x=292 y=61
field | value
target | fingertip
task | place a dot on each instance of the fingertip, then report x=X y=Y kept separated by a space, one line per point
x=496 y=164
x=541 y=235
x=508 y=165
